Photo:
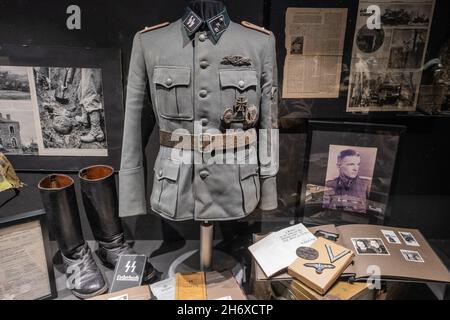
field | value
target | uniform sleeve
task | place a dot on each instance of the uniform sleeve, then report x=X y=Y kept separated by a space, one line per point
x=268 y=125
x=131 y=175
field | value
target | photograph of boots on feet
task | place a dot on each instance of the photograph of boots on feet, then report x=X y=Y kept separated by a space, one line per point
x=71 y=108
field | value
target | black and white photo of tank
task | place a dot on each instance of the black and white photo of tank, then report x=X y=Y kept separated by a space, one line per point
x=406 y=14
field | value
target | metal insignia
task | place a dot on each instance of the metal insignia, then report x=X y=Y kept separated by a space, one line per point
x=307 y=253
x=320 y=266
x=334 y=258
x=251 y=115
x=228 y=116
x=236 y=60
x=240 y=112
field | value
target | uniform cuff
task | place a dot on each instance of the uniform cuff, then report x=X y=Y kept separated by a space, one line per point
x=132 y=192
x=268 y=199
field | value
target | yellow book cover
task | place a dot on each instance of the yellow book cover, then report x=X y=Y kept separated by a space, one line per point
x=321 y=264
x=190 y=286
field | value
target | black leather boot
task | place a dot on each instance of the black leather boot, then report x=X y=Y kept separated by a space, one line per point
x=83 y=274
x=98 y=188
x=59 y=200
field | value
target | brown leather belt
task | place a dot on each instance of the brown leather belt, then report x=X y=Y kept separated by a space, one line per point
x=207 y=142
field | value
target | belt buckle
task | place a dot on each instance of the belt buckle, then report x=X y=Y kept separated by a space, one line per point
x=203 y=142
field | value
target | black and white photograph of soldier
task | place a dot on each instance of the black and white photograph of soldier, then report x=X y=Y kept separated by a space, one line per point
x=407 y=49
x=297 y=44
x=391 y=237
x=349 y=177
x=370 y=246
x=412 y=256
x=397 y=15
x=14 y=83
x=409 y=239
x=71 y=107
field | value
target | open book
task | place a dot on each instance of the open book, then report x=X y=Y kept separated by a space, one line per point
x=392 y=253
x=277 y=250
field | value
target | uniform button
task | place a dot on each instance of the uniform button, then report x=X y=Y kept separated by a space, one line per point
x=241 y=83
x=204 y=64
x=204 y=174
x=204 y=122
x=202 y=37
x=169 y=81
x=203 y=93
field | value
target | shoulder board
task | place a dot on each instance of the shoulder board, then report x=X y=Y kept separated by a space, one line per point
x=255 y=27
x=154 y=27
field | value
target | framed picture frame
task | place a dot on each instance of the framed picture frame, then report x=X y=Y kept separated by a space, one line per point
x=26 y=267
x=61 y=108
x=348 y=171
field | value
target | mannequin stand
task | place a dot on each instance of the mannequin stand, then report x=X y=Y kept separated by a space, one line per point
x=205 y=258
x=206 y=245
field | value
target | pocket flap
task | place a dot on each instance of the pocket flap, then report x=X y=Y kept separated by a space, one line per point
x=248 y=170
x=167 y=169
x=172 y=76
x=240 y=79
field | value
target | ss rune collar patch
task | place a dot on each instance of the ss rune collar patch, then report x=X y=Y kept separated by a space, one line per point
x=192 y=21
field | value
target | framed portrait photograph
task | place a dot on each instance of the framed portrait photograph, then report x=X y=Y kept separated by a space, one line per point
x=26 y=268
x=348 y=172
x=60 y=108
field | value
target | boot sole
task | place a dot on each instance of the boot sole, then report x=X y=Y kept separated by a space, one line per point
x=91 y=295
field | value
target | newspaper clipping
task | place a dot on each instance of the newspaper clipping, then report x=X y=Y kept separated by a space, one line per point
x=52 y=111
x=386 y=67
x=314 y=46
x=23 y=266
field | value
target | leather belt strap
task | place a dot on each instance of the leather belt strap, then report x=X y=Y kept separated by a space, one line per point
x=207 y=142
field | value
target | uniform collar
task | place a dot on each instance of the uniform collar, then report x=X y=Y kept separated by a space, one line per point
x=217 y=24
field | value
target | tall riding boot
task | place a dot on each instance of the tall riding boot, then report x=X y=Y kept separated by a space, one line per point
x=59 y=199
x=98 y=188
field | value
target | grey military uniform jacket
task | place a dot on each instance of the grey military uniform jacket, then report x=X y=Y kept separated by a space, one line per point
x=191 y=83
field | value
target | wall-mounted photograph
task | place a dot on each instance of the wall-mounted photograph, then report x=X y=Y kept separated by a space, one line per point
x=60 y=108
x=71 y=110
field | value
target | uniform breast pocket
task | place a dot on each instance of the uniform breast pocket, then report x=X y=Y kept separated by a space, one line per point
x=173 y=92
x=239 y=83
